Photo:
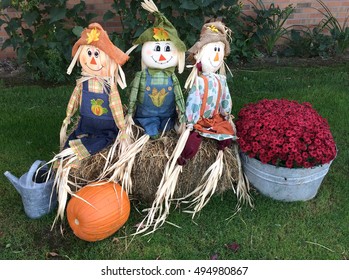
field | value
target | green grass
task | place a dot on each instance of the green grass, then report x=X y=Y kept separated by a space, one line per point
x=31 y=117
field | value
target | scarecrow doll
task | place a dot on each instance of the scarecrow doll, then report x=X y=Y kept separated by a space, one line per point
x=209 y=103
x=207 y=115
x=101 y=118
x=156 y=102
x=208 y=108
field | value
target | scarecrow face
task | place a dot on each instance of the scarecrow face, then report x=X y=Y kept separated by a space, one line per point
x=159 y=55
x=94 y=61
x=212 y=55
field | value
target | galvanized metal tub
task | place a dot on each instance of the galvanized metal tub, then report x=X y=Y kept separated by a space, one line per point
x=285 y=184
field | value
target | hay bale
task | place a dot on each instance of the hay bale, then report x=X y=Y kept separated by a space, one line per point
x=150 y=164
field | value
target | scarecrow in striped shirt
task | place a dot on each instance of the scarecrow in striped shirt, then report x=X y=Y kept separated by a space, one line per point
x=156 y=103
x=101 y=118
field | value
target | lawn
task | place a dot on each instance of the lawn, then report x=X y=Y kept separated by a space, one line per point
x=317 y=229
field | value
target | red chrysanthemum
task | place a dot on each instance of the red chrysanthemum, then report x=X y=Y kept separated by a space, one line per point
x=285 y=133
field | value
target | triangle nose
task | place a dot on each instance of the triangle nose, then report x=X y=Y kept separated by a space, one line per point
x=93 y=61
x=216 y=58
x=162 y=58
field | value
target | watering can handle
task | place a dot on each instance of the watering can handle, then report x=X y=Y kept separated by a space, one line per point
x=32 y=171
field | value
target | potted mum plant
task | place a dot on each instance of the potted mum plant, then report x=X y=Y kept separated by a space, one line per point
x=286 y=148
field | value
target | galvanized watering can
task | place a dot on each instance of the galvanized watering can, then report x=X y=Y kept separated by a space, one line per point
x=35 y=189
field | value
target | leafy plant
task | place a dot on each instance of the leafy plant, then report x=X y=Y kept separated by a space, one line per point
x=242 y=44
x=242 y=48
x=42 y=38
x=269 y=24
x=308 y=42
x=187 y=16
x=191 y=15
x=339 y=33
x=41 y=35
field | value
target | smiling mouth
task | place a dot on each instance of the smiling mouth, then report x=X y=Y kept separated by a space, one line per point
x=94 y=69
x=213 y=63
x=162 y=62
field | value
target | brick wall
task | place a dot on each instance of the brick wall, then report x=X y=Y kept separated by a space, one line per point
x=305 y=14
x=99 y=7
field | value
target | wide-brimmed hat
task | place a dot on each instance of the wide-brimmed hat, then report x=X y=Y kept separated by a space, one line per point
x=96 y=36
x=212 y=32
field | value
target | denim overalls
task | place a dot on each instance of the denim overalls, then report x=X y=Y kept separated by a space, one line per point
x=96 y=128
x=158 y=109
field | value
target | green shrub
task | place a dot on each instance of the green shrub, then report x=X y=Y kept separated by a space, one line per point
x=45 y=30
x=42 y=35
x=268 y=24
x=188 y=17
x=308 y=43
x=327 y=39
x=339 y=33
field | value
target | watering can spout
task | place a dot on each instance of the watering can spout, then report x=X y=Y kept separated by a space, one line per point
x=14 y=180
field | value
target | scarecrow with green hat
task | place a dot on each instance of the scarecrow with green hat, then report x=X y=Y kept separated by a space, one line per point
x=156 y=103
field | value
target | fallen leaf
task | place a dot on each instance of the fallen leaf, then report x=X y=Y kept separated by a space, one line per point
x=215 y=256
x=52 y=254
x=56 y=256
x=233 y=246
x=139 y=226
x=115 y=240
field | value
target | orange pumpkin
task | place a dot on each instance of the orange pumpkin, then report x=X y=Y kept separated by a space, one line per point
x=108 y=212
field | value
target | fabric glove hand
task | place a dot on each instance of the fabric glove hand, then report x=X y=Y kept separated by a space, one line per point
x=221 y=145
x=191 y=148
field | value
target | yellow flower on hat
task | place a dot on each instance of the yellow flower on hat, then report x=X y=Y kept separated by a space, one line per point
x=93 y=36
x=213 y=28
x=160 y=34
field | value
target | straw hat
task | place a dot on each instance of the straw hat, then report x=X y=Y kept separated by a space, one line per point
x=96 y=36
x=212 y=32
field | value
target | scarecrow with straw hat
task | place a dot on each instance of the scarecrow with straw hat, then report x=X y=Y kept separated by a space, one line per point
x=156 y=102
x=208 y=115
x=101 y=117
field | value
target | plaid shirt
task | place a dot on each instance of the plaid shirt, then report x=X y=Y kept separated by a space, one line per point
x=157 y=78
x=95 y=86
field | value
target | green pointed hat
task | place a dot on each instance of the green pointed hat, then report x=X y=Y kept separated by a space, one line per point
x=163 y=30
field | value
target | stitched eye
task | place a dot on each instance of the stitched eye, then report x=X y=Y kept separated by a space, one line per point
x=157 y=48
x=167 y=48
